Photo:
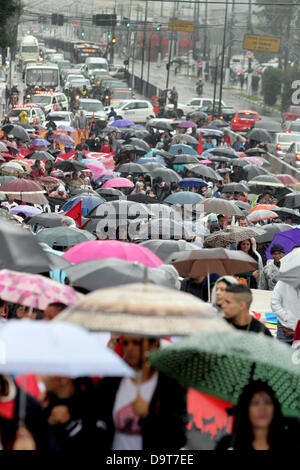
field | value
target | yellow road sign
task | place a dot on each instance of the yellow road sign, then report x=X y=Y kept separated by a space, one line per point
x=253 y=42
x=181 y=25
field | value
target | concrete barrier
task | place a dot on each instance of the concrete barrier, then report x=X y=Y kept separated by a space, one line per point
x=279 y=166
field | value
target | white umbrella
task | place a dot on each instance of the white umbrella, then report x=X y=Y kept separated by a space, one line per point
x=62 y=349
x=10 y=167
x=290 y=268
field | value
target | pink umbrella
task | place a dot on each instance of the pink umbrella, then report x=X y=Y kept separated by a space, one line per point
x=255 y=160
x=96 y=168
x=287 y=179
x=101 y=249
x=33 y=290
x=118 y=183
x=207 y=162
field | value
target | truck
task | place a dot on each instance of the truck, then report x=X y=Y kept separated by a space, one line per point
x=29 y=51
x=291 y=114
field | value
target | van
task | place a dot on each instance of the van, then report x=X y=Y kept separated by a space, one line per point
x=94 y=63
x=283 y=140
x=51 y=101
x=194 y=104
x=138 y=111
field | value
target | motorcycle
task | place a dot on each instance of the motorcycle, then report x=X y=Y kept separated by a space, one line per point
x=199 y=89
x=106 y=101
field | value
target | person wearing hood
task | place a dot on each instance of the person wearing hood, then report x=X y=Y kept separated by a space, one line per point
x=252 y=278
x=285 y=303
x=219 y=289
x=23 y=118
x=270 y=272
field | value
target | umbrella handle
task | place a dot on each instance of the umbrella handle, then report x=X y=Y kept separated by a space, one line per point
x=22 y=404
x=208 y=287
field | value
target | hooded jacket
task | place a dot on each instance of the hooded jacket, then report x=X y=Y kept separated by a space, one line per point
x=230 y=279
x=285 y=302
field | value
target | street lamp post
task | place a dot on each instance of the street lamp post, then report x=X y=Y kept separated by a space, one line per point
x=144 y=43
x=223 y=57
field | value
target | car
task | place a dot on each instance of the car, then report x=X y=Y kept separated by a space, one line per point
x=121 y=95
x=194 y=104
x=139 y=111
x=65 y=118
x=98 y=75
x=244 y=120
x=227 y=113
x=74 y=76
x=78 y=83
x=283 y=141
x=292 y=155
x=34 y=113
x=49 y=101
x=113 y=83
x=118 y=72
x=92 y=108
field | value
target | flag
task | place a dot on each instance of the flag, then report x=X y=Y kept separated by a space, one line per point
x=75 y=213
x=200 y=146
x=91 y=123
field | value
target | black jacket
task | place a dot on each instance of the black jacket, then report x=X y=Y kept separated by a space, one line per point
x=161 y=192
x=165 y=426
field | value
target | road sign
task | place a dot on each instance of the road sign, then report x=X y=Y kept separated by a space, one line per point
x=181 y=25
x=254 y=42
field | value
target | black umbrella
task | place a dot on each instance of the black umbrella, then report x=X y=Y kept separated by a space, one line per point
x=25 y=125
x=169 y=176
x=165 y=248
x=47 y=219
x=217 y=124
x=242 y=205
x=70 y=165
x=99 y=274
x=20 y=250
x=184 y=159
x=153 y=165
x=224 y=152
x=241 y=162
x=205 y=172
x=235 y=188
x=40 y=155
x=132 y=148
x=165 y=229
x=198 y=115
x=259 y=135
x=266 y=180
x=85 y=191
x=123 y=207
x=221 y=159
x=291 y=201
x=255 y=151
x=17 y=131
x=140 y=134
x=131 y=168
x=139 y=143
x=184 y=138
x=143 y=199
x=254 y=170
x=284 y=212
x=109 y=192
x=160 y=124
x=271 y=230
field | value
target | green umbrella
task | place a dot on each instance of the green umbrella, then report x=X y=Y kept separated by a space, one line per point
x=63 y=236
x=222 y=364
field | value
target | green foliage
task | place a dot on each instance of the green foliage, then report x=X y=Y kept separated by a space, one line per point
x=271 y=85
x=8 y=8
x=291 y=74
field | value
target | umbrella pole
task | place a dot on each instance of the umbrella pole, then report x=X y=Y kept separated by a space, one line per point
x=22 y=405
x=30 y=312
x=139 y=374
x=208 y=287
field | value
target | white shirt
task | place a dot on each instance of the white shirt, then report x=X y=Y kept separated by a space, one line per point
x=128 y=431
x=285 y=303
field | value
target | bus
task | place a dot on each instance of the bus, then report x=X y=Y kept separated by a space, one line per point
x=42 y=76
x=29 y=50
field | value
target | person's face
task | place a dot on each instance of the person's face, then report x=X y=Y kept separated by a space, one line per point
x=221 y=221
x=236 y=196
x=10 y=198
x=267 y=197
x=82 y=141
x=245 y=246
x=289 y=221
x=277 y=255
x=261 y=410
x=228 y=195
x=199 y=279
x=230 y=306
x=243 y=223
x=50 y=312
x=220 y=290
x=133 y=346
x=22 y=312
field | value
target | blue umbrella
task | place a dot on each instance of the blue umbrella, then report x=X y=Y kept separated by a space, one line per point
x=192 y=183
x=40 y=142
x=157 y=159
x=139 y=127
x=88 y=203
x=153 y=153
x=186 y=149
x=121 y=123
x=183 y=197
x=57 y=274
x=63 y=127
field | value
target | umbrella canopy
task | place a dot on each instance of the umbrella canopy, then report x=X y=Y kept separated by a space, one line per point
x=199 y=115
x=187 y=124
x=212 y=260
x=25 y=190
x=40 y=143
x=183 y=197
x=186 y=138
x=235 y=187
x=63 y=127
x=121 y=209
x=70 y=165
x=257 y=161
x=222 y=365
x=49 y=182
x=230 y=235
x=101 y=249
x=184 y=159
x=33 y=290
x=219 y=206
x=291 y=201
x=29 y=211
x=240 y=162
x=139 y=143
x=58 y=349
x=271 y=230
x=223 y=152
x=100 y=274
x=255 y=151
x=11 y=167
x=185 y=149
x=88 y=203
x=166 y=229
x=109 y=192
x=152 y=165
x=217 y=124
x=169 y=176
x=17 y=131
x=40 y=155
x=160 y=124
x=64 y=139
x=20 y=250
x=242 y=205
x=165 y=248
x=266 y=180
x=252 y=171
x=267 y=207
x=287 y=179
x=259 y=135
x=192 y=183
x=3 y=147
x=131 y=168
x=144 y=310
x=48 y=219
x=4 y=179
x=83 y=192
x=63 y=236
x=256 y=216
x=122 y=123
x=205 y=172
x=288 y=239
x=284 y=212
x=221 y=159
x=290 y=268
x=118 y=183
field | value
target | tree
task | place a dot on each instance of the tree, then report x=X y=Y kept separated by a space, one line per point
x=291 y=75
x=8 y=8
x=271 y=85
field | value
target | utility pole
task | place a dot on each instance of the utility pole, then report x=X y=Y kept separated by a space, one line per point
x=223 y=58
x=144 y=45
x=170 y=49
x=286 y=84
x=205 y=52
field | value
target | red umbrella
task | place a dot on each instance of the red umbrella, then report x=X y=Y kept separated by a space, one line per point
x=9 y=144
x=24 y=190
x=287 y=179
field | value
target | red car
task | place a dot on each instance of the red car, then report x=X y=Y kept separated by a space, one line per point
x=243 y=121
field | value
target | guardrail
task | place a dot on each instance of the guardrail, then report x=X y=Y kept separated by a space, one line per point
x=279 y=166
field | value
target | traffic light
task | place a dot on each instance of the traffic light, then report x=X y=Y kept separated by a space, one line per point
x=109 y=36
x=82 y=34
x=128 y=24
x=158 y=27
x=114 y=40
x=105 y=20
x=57 y=19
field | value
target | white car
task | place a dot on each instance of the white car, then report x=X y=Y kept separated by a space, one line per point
x=138 y=111
x=194 y=104
x=60 y=118
x=51 y=101
x=35 y=115
x=283 y=140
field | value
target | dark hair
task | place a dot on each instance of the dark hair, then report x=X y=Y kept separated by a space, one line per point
x=59 y=305
x=250 y=252
x=158 y=179
x=242 y=436
x=242 y=292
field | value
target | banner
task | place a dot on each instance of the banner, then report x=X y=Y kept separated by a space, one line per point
x=75 y=213
x=77 y=135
